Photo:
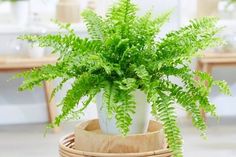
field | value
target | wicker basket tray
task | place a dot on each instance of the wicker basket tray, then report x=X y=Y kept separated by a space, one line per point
x=66 y=149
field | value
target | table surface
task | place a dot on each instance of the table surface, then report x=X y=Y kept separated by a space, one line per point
x=8 y=63
x=218 y=57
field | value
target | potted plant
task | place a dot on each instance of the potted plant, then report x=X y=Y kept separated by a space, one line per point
x=121 y=60
x=20 y=10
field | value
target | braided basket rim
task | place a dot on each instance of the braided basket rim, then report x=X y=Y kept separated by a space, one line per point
x=66 y=147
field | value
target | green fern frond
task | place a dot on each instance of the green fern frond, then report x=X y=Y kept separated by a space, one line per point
x=163 y=109
x=67 y=45
x=81 y=87
x=190 y=104
x=142 y=73
x=197 y=90
x=36 y=76
x=124 y=109
x=146 y=28
x=127 y=84
x=58 y=88
x=123 y=16
x=64 y=26
x=95 y=25
x=185 y=98
x=204 y=79
x=109 y=92
x=161 y=20
x=188 y=41
x=223 y=86
x=59 y=43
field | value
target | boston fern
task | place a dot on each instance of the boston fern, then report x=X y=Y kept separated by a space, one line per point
x=123 y=54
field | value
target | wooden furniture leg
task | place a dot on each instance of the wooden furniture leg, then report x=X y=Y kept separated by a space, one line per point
x=52 y=109
x=208 y=69
x=199 y=67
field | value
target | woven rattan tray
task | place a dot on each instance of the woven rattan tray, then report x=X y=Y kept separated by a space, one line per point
x=66 y=149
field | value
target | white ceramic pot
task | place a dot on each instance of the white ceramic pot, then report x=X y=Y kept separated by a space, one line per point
x=20 y=10
x=140 y=118
x=36 y=52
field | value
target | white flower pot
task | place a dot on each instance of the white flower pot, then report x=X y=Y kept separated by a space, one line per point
x=140 y=118
x=20 y=10
x=36 y=52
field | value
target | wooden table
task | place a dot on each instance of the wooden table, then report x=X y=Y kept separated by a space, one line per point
x=10 y=64
x=211 y=60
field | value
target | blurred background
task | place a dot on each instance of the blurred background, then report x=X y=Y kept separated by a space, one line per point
x=27 y=112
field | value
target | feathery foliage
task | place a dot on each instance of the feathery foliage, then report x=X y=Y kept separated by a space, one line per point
x=231 y=1
x=122 y=55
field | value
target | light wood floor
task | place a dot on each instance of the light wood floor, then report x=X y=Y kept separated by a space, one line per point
x=28 y=140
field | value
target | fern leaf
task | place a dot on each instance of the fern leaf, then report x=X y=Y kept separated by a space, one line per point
x=185 y=99
x=58 y=88
x=163 y=108
x=109 y=92
x=123 y=15
x=146 y=28
x=64 y=26
x=223 y=86
x=94 y=24
x=199 y=35
x=124 y=109
x=82 y=86
x=35 y=77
